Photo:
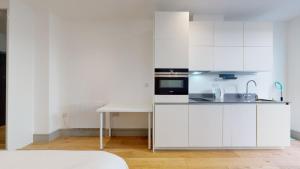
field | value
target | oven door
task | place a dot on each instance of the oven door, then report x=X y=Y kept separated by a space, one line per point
x=171 y=86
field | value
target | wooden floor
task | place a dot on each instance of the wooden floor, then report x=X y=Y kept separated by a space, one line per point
x=134 y=151
x=2 y=137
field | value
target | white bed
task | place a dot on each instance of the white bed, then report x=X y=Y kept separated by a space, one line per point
x=60 y=160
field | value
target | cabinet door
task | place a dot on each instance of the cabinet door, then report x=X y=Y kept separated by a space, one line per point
x=273 y=125
x=258 y=59
x=258 y=34
x=171 y=126
x=205 y=125
x=171 y=39
x=229 y=58
x=171 y=25
x=201 y=58
x=171 y=53
x=239 y=125
x=229 y=34
x=202 y=33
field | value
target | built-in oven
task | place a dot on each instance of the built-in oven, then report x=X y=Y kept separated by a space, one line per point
x=171 y=81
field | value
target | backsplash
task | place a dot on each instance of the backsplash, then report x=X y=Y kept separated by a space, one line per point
x=204 y=83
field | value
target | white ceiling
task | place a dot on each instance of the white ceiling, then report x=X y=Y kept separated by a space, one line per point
x=275 y=10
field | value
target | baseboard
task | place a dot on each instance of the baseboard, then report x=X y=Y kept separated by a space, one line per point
x=86 y=132
x=295 y=134
x=44 y=138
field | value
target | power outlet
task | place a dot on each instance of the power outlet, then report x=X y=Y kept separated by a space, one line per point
x=146 y=85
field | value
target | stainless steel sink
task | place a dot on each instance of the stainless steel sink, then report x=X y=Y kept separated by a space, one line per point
x=240 y=97
x=228 y=98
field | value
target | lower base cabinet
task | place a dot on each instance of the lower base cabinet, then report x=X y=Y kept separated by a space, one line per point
x=205 y=125
x=239 y=125
x=273 y=125
x=221 y=125
x=171 y=126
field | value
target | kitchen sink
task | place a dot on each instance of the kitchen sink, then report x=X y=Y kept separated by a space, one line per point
x=228 y=98
x=240 y=97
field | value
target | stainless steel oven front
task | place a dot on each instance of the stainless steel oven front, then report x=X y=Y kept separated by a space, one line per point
x=171 y=81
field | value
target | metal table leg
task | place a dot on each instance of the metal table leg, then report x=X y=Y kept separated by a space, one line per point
x=101 y=130
x=149 y=130
x=109 y=129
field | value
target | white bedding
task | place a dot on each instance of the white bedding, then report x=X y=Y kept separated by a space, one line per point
x=60 y=160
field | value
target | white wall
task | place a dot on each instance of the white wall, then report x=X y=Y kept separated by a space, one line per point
x=265 y=80
x=94 y=62
x=41 y=71
x=56 y=72
x=99 y=62
x=293 y=71
x=82 y=64
x=20 y=100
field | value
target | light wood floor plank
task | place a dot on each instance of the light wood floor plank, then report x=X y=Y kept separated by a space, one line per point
x=2 y=137
x=134 y=151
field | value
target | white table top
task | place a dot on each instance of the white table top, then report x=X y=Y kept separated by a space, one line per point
x=140 y=108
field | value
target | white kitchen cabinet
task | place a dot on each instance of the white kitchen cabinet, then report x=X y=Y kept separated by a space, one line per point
x=171 y=53
x=171 y=39
x=201 y=54
x=202 y=33
x=201 y=58
x=171 y=126
x=258 y=59
x=258 y=34
x=229 y=59
x=229 y=34
x=171 y=25
x=273 y=125
x=239 y=125
x=205 y=125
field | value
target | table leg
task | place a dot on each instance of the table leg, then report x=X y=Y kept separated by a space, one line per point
x=109 y=126
x=149 y=130
x=101 y=130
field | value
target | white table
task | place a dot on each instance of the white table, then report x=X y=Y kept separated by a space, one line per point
x=134 y=108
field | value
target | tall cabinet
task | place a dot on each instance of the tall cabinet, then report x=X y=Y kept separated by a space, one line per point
x=171 y=39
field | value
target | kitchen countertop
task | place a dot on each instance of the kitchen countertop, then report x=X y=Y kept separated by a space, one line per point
x=191 y=101
x=227 y=102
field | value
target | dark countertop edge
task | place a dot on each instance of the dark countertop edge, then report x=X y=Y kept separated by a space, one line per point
x=285 y=102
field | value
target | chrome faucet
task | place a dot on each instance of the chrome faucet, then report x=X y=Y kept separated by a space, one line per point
x=247 y=87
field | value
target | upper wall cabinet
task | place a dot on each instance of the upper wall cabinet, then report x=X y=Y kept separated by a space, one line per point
x=202 y=33
x=258 y=34
x=231 y=46
x=229 y=34
x=228 y=59
x=171 y=39
x=258 y=59
x=201 y=56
